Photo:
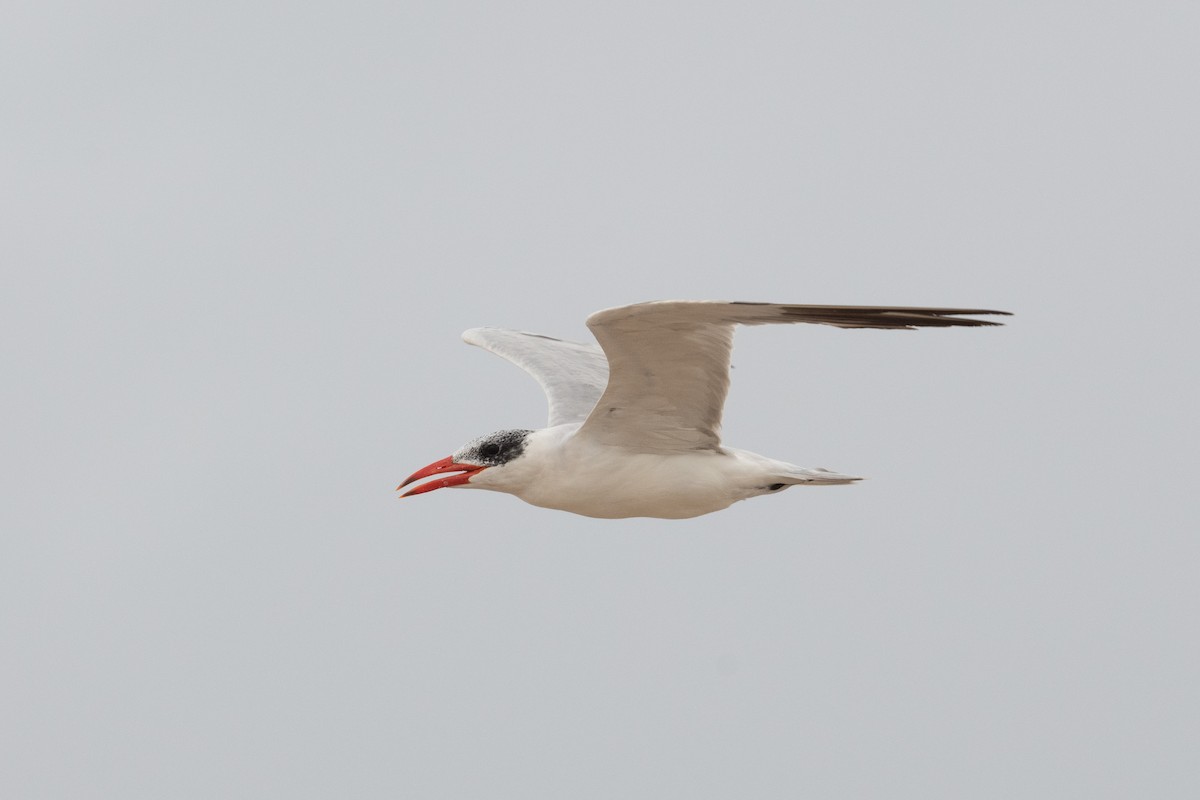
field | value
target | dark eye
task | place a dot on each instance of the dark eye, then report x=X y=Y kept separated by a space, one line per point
x=775 y=487
x=490 y=449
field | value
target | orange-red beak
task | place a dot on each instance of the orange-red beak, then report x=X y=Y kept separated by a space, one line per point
x=447 y=464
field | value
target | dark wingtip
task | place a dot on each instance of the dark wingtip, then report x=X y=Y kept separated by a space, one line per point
x=900 y=317
x=903 y=317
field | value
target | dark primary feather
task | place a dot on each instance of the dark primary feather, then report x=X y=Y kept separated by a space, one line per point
x=891 y=317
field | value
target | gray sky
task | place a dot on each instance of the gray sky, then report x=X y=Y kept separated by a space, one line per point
x=240 y=243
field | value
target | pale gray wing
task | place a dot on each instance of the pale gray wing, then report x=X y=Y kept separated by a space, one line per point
x=669 y=363
x=572 y=374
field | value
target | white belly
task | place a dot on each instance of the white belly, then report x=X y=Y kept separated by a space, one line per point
x=642 y=485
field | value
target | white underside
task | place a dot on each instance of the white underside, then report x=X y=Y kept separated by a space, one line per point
x=562 y=472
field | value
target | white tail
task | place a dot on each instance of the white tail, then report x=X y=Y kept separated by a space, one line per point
x=817 y=477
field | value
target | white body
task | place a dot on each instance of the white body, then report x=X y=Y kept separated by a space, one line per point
x=562 y=471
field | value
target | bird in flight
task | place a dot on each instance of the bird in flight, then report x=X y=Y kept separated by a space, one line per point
x=634 y=423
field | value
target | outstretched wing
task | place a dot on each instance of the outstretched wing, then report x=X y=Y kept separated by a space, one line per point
x=669 y=363
x=572 y=374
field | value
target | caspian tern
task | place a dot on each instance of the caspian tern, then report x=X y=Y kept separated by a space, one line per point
x=633 y=429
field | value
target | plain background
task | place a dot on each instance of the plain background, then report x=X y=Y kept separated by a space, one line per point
x=239 y=242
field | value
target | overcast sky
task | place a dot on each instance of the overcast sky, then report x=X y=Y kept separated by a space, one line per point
x=240 y=242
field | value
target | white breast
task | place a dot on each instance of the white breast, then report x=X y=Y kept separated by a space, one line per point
x=595 y=480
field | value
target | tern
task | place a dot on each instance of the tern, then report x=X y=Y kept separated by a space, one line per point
x=634 y=423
